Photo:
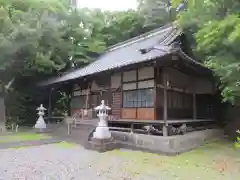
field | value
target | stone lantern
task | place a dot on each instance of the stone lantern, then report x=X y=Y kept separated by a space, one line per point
x=101 y=139
x=40 y=124
x=102 y=130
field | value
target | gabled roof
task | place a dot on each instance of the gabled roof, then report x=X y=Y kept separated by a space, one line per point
x=126 y=53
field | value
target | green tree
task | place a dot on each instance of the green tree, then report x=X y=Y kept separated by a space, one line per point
x=25 y=5
x=156 y=12
x=213 y=29
x=215 y=25
x=39 y=41
x=237 y=143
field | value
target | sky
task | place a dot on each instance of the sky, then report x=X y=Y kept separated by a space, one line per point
x=108 y=4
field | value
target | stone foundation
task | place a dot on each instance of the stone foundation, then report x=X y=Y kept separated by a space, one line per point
x=101 y=145
x=170 y=145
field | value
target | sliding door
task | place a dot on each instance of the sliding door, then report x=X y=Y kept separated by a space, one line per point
x=138 y=104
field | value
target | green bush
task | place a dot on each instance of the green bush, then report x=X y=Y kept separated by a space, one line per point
x=237 y=143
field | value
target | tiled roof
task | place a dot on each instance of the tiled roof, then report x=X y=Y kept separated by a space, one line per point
x=126 y=53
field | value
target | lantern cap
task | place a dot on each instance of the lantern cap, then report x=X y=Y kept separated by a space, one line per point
x=102 y=107
x=41 y=108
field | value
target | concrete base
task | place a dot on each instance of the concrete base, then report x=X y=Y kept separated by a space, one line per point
x=101 y=145
x=170 y=145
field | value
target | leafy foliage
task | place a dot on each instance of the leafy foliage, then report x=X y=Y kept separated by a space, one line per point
x=154 y=11
x=237 y=143
x=216 y=27
x=213 y=29
x=39 y=39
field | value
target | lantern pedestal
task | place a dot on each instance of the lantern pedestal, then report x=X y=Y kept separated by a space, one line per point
x=102 y=130
x=101 y=140
x=102 y=133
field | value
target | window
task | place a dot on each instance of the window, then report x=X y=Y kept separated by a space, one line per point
x=145 y=98
x=129 y=99
x=140 y=98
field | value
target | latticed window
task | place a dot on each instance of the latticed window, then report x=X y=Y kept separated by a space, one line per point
x=141 y=98
x=130 y=99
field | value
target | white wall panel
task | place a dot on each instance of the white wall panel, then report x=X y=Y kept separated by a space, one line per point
x=116 y=80
x=146 y=73
x=129 y=86
x=129 y=76
x=146 y=84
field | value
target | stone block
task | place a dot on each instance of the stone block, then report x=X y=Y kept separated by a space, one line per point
x=101 y=145
x=169 y=145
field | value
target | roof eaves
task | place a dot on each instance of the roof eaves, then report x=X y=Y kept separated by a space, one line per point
x=191 y=60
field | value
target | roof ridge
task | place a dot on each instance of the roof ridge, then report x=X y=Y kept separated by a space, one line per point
x=171 y=36
x=166 y=36
x=140 y=37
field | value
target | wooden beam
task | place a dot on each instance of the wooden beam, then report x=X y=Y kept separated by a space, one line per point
x=172 y=121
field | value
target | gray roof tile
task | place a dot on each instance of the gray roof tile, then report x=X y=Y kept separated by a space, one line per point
x=126 y=53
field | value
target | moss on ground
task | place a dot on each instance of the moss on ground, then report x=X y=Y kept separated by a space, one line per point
x=64 y=144
x=215 y=161
x=17 y=137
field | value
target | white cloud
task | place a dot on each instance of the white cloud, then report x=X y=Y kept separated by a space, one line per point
x=108 y=4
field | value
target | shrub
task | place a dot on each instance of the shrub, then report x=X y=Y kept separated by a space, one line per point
x=237 y=143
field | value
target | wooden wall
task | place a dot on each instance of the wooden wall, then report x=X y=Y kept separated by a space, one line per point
x=181 y=89
x=116 y=104
x=138 y=92
x=117 y=88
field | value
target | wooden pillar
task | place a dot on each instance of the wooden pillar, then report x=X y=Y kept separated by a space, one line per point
x=2 y=108
x=50 y=104
x=69 y=92
x=155 y=91
x=194 y=107
x=165 y=105
x=121 y=95
x=137 y=90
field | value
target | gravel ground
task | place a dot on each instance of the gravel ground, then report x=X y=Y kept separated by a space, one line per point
x=61 y=162
x=51 y=162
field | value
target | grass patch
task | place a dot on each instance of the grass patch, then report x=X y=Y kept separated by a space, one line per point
x=67 y=145
x=219 y=160
x=23 y=137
